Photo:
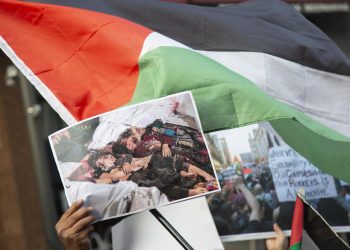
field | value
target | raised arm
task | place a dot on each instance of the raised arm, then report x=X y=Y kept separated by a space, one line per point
x=251 y=200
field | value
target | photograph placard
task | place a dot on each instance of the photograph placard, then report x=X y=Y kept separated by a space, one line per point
x=136 y=157
x=260 y=175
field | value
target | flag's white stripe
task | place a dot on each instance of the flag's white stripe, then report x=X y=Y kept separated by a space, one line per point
x=38 y=84
x=323 y=96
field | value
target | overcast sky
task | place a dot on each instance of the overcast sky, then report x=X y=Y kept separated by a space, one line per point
x=237 y=139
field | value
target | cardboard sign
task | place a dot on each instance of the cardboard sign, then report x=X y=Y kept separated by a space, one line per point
x=291 y=171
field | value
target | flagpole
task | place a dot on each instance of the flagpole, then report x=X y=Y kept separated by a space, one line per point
x=171 y=229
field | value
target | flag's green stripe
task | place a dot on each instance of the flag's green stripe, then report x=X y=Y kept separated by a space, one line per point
x=225 y=100
x=331 y=156
x=296 y=246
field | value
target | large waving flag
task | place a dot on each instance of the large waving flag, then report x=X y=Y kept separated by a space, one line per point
x=244 y=64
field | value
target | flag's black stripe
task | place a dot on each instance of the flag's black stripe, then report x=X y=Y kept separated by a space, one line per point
x=268 y=26
x=320 y=232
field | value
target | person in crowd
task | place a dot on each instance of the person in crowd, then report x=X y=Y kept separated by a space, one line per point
x=266 y=179
x=254 y=224
x=267 y=200
x=240 y=218
x=244 y=211
x=215 y=202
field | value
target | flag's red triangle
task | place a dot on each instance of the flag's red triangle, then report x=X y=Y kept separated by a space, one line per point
x=297 y=223
x=88 y=60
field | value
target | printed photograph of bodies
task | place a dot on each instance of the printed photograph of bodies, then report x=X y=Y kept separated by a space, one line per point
x=135 y=158
x=259 y=175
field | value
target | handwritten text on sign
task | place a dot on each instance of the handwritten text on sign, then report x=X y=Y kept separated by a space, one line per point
x=291 y=171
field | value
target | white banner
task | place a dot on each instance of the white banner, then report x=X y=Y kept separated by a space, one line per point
x=229 y=173
x=291 y=171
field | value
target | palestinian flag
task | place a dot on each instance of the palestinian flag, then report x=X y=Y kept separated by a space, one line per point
x=246 y=63
x=297 y=225
x=316 y=233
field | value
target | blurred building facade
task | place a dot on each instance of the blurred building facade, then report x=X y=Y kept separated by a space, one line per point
x=259 y=144
x=220 y=144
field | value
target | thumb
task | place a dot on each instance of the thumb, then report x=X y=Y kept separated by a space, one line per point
x=277 y=229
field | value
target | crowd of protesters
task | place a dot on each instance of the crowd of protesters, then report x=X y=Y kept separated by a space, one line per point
x=248 y=203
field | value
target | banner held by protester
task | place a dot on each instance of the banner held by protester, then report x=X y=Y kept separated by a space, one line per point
x=291 y=171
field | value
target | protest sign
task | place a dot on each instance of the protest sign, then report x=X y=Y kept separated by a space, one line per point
x=229 y=173
x=291 y=171
x=264 y=193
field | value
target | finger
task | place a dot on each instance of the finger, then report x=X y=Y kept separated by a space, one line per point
x=77 y=216
x=82 y=236
x=73 y=208
x=270 y=243
x=277 y=229
x=82 y=224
